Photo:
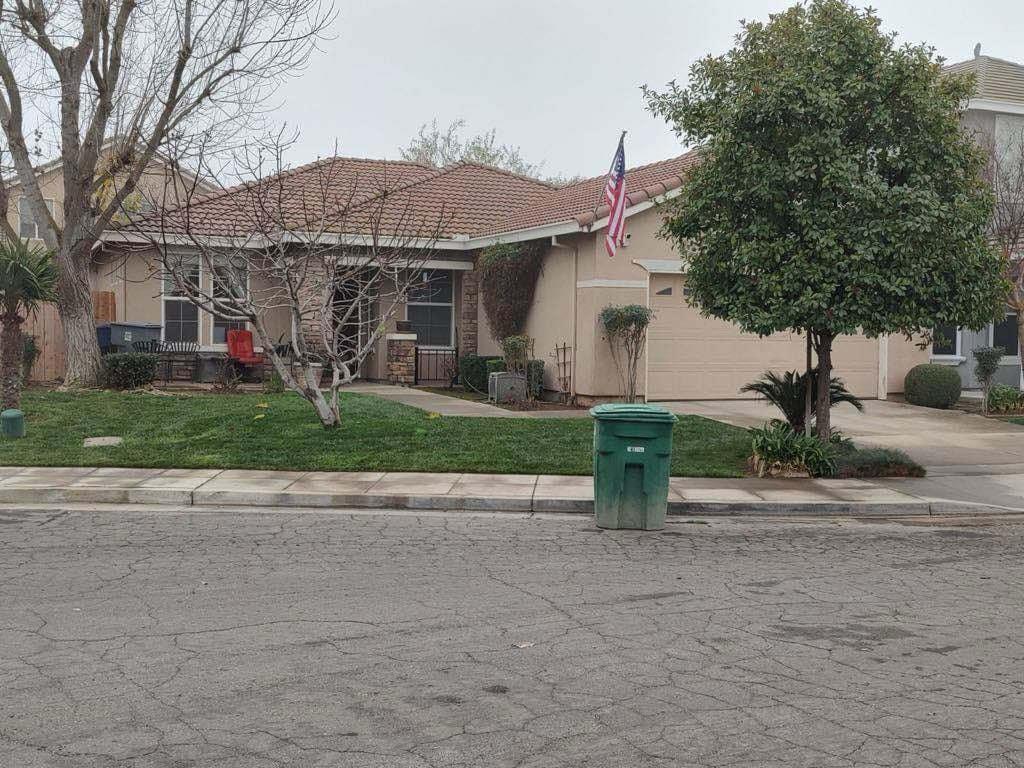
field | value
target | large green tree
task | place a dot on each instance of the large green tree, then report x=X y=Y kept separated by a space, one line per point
x=837 y=192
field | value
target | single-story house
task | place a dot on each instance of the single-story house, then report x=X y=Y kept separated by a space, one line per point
x=688 y=356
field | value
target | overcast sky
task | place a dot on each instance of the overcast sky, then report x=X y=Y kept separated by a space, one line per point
x=559 y=78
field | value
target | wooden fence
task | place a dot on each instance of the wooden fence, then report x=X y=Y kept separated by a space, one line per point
x=45 y=326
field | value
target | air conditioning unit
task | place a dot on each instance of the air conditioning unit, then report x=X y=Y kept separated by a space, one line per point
x=504 y=387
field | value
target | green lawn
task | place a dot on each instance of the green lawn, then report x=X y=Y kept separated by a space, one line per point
x=255 y=431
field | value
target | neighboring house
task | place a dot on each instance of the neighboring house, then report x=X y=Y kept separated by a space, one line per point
x=158 y=182
x=688 y=356
x=996 y=116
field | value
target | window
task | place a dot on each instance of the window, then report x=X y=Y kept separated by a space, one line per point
x=27 y=226
x=945 y=341
x=1004 y=334
x=431 y=310
x=224 y=287
x=181 y=316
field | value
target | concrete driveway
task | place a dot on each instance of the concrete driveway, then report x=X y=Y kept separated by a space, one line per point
x=947 y=442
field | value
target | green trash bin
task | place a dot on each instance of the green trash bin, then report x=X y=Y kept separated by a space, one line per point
x=632 y=459
x=12 y=423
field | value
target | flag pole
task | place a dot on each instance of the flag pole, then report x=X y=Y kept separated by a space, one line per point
x=600 y=198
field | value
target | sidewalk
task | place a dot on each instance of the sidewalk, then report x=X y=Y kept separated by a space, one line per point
x=518 y=493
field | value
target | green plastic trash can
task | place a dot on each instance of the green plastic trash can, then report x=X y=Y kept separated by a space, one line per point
x=632 y=458
x=12 y=423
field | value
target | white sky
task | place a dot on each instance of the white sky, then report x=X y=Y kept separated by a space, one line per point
x=559 y=78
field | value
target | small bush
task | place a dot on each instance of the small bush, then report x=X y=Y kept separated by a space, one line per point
x=778 y=450
x=29 y=354
x=535 y=378
x=877 y=462
x=932 y=386
x=473 y=371
x=129 y=370
x=495 y=365
x=1005 y=399
x=986 y=367
x=274 y=385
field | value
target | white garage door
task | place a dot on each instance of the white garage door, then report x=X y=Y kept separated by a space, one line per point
x=695 y=358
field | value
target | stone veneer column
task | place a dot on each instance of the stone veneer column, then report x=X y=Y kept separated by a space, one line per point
x=468 y=321
x=401 y=368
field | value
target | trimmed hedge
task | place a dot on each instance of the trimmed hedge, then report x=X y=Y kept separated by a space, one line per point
x=932 y=386
x=877 y=462
x=473 y=371
x=129 y=370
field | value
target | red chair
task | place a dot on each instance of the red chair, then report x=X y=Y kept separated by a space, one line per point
x=241 y=352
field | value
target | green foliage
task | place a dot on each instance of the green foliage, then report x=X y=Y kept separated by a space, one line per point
x=494 y=365
x=28 y=277
x=29 y=354
x=628 y=318
x=274 y=385
x=1005 y=399
x=129 y=370
x=986 y=367
x=473 y=371
x=508 y=279
x=516 y=351
x=836 y=190
x=877 y=462
x=778 y=450
x=932 y=385
x=787 y=392
x=535 y=378
x=197 y=430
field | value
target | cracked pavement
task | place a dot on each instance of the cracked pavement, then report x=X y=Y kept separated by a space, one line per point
x=420 y=641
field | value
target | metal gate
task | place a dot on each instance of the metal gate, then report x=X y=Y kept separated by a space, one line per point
x=437 y=366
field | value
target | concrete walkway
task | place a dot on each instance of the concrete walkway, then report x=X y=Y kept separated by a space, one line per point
x=536 y=493
x=431 y=401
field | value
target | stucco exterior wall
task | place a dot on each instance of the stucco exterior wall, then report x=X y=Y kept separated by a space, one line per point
x=903 y=354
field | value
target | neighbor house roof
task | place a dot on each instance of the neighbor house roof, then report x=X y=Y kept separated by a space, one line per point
x=996 y=79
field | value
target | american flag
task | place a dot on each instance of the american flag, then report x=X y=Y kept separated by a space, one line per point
x=615 y=196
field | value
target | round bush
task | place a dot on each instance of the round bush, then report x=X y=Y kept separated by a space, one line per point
x=931 y=385
x=129 y=370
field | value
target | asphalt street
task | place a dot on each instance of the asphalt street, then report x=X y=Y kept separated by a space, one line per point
x=414 y=641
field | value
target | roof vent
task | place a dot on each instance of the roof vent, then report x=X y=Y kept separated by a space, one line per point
x=977 y=50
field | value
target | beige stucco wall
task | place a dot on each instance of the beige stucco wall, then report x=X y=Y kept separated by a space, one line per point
x=549 y=322
x=903 y=354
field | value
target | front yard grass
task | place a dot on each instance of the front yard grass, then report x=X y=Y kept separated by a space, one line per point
x=257 y=431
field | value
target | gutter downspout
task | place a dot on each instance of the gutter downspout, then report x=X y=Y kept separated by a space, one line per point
x=575 y=271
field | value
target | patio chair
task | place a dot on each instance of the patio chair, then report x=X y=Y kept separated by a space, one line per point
x=242 y=354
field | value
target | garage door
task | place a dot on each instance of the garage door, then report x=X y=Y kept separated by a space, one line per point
x=695 y=358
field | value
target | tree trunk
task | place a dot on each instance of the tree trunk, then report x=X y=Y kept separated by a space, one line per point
x=74 y=304
x=11 y=349
x=808 y=384
x=1020 y=348
x=823 y=415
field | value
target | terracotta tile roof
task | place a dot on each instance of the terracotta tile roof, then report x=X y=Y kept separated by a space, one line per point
x=577 y=202
x=996 y=79
x=465 y=199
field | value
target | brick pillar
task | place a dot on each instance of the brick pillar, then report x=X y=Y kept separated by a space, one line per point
x=401 y=359
x=468 y=321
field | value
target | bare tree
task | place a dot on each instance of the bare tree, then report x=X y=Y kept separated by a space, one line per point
x=1004 y=172
x=335 y=263
x=116 y=79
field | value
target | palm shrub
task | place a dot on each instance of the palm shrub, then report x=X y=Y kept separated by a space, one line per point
x=28 y=279
x=788 y=391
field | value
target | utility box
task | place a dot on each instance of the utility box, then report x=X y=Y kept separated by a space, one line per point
x=632 y=460
x=504 y=387
x=119 y=337
x=12 y=423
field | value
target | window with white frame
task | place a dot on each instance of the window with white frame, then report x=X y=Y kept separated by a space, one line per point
x=229 y=280
x=945 y=341
x=181 y=316
x=28 y=227
x=431 y=308
x=1004 y=334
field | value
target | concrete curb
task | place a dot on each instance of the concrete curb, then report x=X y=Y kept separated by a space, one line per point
x=442 y=502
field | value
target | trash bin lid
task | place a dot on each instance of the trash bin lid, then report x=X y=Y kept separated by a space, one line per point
x=631 y=412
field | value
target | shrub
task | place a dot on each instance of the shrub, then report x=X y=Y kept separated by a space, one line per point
x=29 y=354
x=274 y=385
x=778 y=450
x=1005 y=399
x=508 y=279
x=495 y=365
x=517 y=351
x=877 y=462
x=788 y=391
x=129 y=370
x=626 y=330
x=932 y=386
x=535 y=378
x=473 y=371
x=986 y=367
